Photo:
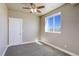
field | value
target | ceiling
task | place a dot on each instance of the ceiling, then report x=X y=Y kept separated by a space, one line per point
x=48 y=7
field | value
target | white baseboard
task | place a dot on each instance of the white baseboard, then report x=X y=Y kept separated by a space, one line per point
x=15 y=45
x=22 y=43
x=68 y=52
x=37 y=41
x=63 y=50
x=5 y=51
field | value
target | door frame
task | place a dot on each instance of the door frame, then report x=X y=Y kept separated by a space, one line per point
x=21 y=31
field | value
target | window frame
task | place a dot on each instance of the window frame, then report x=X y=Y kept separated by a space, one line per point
x=46 y=22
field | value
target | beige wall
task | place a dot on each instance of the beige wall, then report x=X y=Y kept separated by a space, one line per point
x=69 y=37
x=30 y=24
x=3 y=28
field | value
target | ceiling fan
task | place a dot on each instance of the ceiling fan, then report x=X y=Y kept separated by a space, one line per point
x=34 y=8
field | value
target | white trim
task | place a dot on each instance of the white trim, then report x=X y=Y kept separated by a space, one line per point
x=59 y=13
x=21 y=24
x=38 y=42
x=63 y=50
x=46 y=23
x=5 y=51
x=23 y=43
x=54 y=32
x=15 y=45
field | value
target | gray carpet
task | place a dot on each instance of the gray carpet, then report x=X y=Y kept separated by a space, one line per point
x=33 y=49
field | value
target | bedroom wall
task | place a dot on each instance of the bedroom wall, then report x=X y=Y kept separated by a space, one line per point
x=3 y=28
x=30 y=24
x=69 y=37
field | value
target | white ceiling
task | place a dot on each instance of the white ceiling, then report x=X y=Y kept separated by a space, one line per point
x=48 y=7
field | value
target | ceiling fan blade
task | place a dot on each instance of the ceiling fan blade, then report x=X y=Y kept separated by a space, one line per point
x=32 y=5
x=39 y=11
x=26 y=8
x=40 y=7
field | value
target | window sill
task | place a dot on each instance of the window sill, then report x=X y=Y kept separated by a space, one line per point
x=54 y=32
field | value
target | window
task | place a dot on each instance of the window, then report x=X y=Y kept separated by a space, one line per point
x=53 y=23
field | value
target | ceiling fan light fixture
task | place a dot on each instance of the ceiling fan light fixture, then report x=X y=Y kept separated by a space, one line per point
x=35 y=10
x=32 y=10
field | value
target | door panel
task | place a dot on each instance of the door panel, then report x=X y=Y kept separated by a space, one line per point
x=15 y=31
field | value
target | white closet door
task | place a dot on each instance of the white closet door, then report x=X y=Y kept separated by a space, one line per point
x=15 y=31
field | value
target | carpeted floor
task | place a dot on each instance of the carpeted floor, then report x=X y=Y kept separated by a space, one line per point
x=33 y=49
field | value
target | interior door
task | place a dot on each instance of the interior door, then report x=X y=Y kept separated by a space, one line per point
x=15 y=31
